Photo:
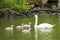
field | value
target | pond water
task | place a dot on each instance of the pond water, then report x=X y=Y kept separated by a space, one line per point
x=50 y=34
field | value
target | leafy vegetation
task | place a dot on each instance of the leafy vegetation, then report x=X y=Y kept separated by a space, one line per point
x=15 y=4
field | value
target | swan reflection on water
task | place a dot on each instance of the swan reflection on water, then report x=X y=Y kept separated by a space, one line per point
x=45 y=30
x=46 y=34
x=9 y=33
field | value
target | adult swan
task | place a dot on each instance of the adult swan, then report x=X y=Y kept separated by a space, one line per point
x=42 y=25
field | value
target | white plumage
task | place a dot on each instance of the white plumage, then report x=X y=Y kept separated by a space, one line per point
x=9 y=28
x=43 y=25
x=19 y=27
x=23 y=26
x=27 y=25
x=26 y=30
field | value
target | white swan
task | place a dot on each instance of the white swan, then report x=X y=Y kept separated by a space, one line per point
x=43 y=25
x=27 y=25
x=26 y=28
x=19 y=26
x=23 y=26
x=9 y=28
x=25 y=31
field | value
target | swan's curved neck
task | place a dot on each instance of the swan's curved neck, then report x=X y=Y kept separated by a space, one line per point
x=36 y=20
x=36 y=33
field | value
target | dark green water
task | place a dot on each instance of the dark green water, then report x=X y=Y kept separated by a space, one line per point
x=53 y=34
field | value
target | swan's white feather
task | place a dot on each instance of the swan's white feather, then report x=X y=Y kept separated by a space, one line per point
x=19 y=27
x=9 y=28
x=45 y=25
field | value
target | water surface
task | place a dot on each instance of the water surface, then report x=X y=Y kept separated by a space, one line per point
x=50 y=34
